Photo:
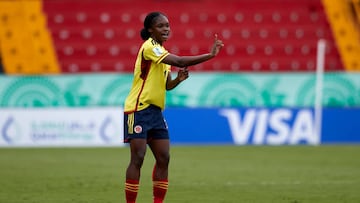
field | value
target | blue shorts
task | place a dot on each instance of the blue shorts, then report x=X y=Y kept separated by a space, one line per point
x=146 y=124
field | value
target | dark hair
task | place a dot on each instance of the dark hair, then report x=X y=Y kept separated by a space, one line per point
x=148 y=22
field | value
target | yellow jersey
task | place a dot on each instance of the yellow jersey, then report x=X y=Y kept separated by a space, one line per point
x=150 y=75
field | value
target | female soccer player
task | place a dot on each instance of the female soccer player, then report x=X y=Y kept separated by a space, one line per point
x=144 y=123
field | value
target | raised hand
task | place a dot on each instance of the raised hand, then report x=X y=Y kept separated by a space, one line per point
x=218 y=44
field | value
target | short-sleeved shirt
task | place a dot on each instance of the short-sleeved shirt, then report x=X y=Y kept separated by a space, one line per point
x=150 y=75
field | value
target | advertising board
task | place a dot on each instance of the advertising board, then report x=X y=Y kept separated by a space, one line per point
x=103 y=126
x=61 y=127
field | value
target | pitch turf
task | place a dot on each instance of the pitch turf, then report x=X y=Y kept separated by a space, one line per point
x=203 y=174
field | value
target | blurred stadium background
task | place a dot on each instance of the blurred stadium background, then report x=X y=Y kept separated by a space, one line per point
x=67 y=67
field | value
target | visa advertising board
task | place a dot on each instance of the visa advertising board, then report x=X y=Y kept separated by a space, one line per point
x=234 y=126
x=263 y=126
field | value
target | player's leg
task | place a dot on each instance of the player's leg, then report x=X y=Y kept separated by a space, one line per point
x=137 y=154
x=160 y=149
x=135 y=133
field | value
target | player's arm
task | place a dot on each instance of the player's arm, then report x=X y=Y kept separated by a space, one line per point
x=182 y=75
x=184 y=61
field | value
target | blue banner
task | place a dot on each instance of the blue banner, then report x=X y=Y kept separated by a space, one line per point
x=262 y=126
x=341 y=125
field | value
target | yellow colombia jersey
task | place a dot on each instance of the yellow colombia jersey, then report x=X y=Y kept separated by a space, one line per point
x=149 y=83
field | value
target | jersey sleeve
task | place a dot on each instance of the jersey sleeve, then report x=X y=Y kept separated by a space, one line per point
x=155 y=53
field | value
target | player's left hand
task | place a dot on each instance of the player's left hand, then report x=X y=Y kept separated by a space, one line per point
x=183 y=74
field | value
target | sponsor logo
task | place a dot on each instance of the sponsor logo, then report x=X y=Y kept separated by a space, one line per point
x=62 y=131
x=108 y=130
x=60 y=127
x=274 y=127
x=10 y=131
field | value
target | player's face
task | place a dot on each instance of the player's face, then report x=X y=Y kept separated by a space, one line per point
x=160 y=30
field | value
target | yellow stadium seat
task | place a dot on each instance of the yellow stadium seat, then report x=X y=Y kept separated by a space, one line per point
x=26 y=47
x=346 y=31
x=356 y=5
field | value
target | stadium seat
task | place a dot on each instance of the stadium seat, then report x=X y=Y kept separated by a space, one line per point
x=259 y=35
x=27 y=47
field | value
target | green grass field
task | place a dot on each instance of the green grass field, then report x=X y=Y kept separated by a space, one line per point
x=202 y=174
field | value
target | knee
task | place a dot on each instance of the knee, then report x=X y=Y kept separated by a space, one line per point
x=163 y=160
x=137 y=159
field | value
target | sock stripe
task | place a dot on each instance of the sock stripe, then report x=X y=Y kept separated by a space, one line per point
x=161 y=184
x=132 y=187
x=164 y=188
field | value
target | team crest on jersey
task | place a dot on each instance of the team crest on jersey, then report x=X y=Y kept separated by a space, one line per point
x=138 y=129
x=158 y=51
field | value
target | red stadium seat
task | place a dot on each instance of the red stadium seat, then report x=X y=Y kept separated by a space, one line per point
x=259 y=35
